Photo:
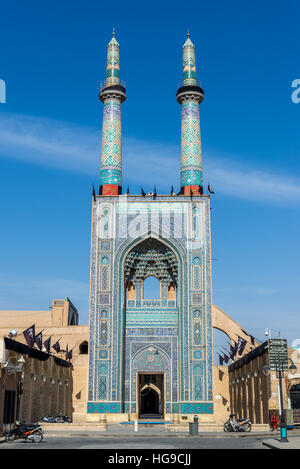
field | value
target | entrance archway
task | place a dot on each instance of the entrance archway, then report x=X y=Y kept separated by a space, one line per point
x=149 y=402
x=151 y=395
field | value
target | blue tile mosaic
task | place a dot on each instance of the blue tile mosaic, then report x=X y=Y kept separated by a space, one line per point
x=126 y=334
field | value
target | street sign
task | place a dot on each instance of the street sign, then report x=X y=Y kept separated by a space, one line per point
x=278 y=355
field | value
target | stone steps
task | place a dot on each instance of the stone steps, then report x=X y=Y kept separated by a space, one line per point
x=77 y=426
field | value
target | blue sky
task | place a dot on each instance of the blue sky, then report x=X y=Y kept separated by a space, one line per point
x=52 y=59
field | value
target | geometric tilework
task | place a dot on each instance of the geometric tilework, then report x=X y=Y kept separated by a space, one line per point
x=111 y=153
x=103 y=407
x=124 y=336
x=191 y=159
x=102 y=387
x=196 y=408
x=110 y=176
x=191 y=177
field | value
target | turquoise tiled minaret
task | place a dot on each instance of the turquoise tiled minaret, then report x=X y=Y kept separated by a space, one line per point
x=112 y=96
x=190 y=95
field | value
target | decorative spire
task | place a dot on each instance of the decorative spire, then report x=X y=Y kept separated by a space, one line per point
x=113 y=62
x=189 y=62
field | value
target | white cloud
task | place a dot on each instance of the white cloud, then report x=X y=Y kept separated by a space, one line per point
x=76 y=148
x=249 y=289
x=49 y=142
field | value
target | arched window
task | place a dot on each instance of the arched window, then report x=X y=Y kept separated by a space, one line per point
x=131 y=294
x=151 y=288
x=172 y=291
x=195 y=221
x=84 y=348
x=295 y=396
x=105 y=223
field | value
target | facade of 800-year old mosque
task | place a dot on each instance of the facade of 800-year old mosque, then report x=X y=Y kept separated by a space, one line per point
x=139 y=346
x=132 y=336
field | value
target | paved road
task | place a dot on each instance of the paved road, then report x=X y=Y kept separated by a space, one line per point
x=139 y=443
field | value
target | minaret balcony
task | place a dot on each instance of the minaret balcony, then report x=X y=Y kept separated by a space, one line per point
x=190 y=92
x=103 y=85
x=107 y=91
x=181 y=84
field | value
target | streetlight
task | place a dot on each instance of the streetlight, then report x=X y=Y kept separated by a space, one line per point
x=13 y=333
x=292 y=367
x=280 y=370
x=268 y=333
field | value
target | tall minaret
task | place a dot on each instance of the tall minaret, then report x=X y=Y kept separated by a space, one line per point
x=112 y=96
x=190 y=95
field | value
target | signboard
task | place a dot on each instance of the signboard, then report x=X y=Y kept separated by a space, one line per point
x=278 y=355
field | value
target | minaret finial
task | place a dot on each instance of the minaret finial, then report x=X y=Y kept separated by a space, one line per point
x=190 y=95
x=114 y=33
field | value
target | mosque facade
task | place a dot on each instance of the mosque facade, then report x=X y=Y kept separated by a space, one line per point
x=150 y=357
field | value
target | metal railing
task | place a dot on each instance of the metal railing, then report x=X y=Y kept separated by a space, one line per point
x=151 y=303
x=181 y=84
x=103 y=84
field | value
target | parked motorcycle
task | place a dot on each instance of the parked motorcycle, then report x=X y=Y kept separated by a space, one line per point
x=237 y=425
x=49 y=419
x=26 y=431
x=58 y=418
x=63 y=418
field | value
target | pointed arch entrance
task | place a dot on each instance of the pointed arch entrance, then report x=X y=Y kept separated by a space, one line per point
x=130 y=337
x=149 y=402
x=151 y=395
x=151 y=330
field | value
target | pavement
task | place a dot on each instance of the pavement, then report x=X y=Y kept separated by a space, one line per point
x=149 y=431
x=124 y=436
x=125 y=444
x=275 y=443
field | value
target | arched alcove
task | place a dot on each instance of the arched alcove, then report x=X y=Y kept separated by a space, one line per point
x=150 y=401
x=295 y=396
x=151 y=266
x=135 y=260
x=131 y=292
x=84 y=348
x=172 y=291
x=149 y=258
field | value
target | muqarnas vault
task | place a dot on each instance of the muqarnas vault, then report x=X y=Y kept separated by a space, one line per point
x=150 y=358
